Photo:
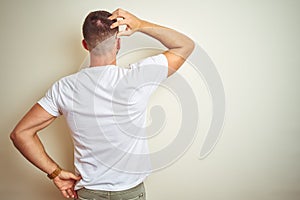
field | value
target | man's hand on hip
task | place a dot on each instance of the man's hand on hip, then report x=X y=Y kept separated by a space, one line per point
x=65 y=182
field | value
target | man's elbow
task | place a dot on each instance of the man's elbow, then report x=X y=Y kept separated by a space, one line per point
x=188 y=48
x=191 y=46
x=17 y=137
x=14 y=136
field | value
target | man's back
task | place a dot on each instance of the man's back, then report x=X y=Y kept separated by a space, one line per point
x=105 y=108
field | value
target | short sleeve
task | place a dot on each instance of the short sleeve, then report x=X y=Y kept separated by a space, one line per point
x=158 y=65
x=153 y=71
x=49 y=101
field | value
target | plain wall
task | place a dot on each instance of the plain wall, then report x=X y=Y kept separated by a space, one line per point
x=255 y=46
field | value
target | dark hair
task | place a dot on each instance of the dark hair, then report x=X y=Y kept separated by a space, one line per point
x=96 y=27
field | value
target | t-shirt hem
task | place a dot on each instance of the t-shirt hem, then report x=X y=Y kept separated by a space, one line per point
x=112 y=189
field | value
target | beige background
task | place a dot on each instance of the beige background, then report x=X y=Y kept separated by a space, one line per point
x=255 y=46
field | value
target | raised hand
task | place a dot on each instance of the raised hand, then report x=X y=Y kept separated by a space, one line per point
x=132 y=22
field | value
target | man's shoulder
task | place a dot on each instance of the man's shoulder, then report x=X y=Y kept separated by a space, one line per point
x=156 y=60
x=69 y=78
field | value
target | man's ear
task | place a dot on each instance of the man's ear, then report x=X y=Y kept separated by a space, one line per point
x=84 y=44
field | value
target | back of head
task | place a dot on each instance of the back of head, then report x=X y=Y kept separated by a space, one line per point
x=96 y=28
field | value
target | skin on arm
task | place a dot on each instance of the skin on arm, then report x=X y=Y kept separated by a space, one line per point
x=179 y=45
x=26 y=140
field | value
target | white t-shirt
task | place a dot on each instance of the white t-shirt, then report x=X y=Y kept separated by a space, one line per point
x=105 y=108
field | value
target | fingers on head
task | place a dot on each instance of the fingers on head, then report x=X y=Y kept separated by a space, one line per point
x=118 y=13
x=119 y=23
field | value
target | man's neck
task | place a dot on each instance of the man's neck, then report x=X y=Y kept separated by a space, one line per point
x=97 y=61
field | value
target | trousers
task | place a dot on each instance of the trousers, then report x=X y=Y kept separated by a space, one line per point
x=135 y=193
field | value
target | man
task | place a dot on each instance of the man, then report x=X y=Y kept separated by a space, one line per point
x=105 y=107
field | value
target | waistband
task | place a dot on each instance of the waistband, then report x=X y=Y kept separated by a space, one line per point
x=104 y=192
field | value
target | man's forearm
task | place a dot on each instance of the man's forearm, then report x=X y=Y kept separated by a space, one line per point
x=33 y=150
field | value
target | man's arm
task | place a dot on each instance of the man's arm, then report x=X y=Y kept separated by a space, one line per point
x=26 y=140
x=179 y=45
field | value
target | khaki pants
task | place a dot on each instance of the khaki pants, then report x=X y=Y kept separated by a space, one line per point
x=135 y=193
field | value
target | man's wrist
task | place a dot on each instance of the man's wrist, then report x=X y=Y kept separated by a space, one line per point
x=55 y=173
x=142 y=25
x=148 y=27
